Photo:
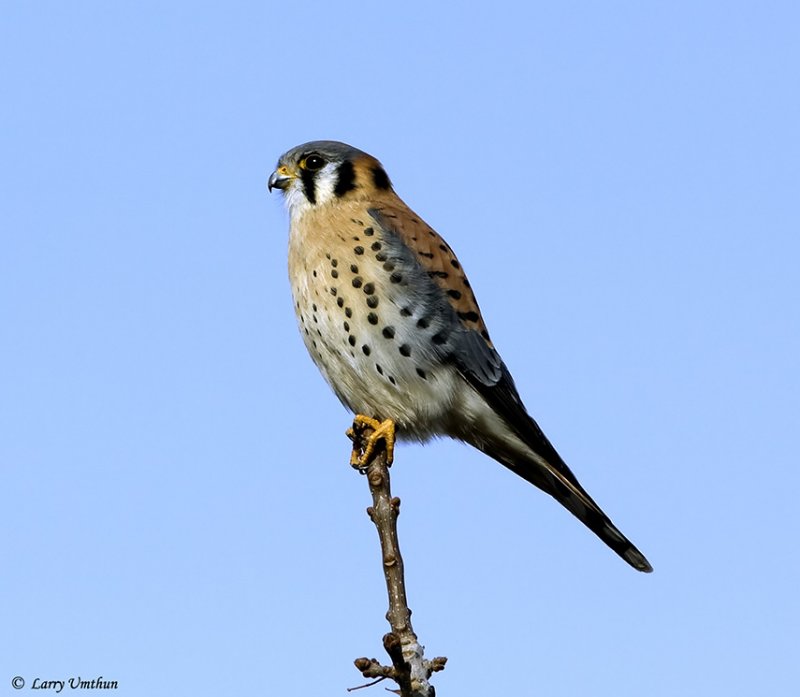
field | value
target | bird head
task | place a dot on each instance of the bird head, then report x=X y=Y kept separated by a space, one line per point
x=322 y=171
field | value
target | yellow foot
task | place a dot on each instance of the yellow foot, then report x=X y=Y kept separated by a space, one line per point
x=381 y=430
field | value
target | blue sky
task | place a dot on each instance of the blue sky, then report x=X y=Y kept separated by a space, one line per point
x=620 y=181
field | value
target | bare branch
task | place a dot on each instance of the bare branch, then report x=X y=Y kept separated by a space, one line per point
x=409 y=669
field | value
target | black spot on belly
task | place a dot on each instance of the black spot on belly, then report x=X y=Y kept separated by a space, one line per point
x=334 y=291
x=372 y=301
x=357 y=281
x=381 y=256
x=422 y=373
x=423 y=323
x=456 y=295
x=334 y=274
x=439 y=338
x=348 y=312
x=314 y=273
x=388 y=266
x=351 y=340
x=353 y=268
x=369 y=288
x=388 y=332
x=340 y=302
x=369 y=232
x=358 y=250
x=406 y=312
x=372 y=318
x=366 y=349
x=334 y=262
x=396 y=277
x=392 y=380
x=405 y=350
x=376 y=246
x=346 y=325
x=379 y=369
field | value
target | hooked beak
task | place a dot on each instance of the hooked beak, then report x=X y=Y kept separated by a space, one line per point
x=280 y=178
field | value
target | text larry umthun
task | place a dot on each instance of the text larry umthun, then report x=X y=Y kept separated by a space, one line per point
x=74 y=684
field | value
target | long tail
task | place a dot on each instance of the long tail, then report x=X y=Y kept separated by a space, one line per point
x=512 y=437
x=553 y=476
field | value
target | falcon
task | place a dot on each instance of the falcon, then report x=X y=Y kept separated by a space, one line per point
x=390 y=319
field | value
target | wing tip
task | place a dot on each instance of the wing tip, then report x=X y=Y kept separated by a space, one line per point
x=637 y=560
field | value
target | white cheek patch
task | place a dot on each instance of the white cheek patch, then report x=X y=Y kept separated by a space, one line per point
x=324 y=184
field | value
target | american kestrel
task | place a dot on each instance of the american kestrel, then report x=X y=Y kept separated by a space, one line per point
x=390 y=319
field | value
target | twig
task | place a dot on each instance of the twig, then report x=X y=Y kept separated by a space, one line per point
x=409 y=669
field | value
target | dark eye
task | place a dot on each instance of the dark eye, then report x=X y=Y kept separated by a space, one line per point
x=314 y=162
